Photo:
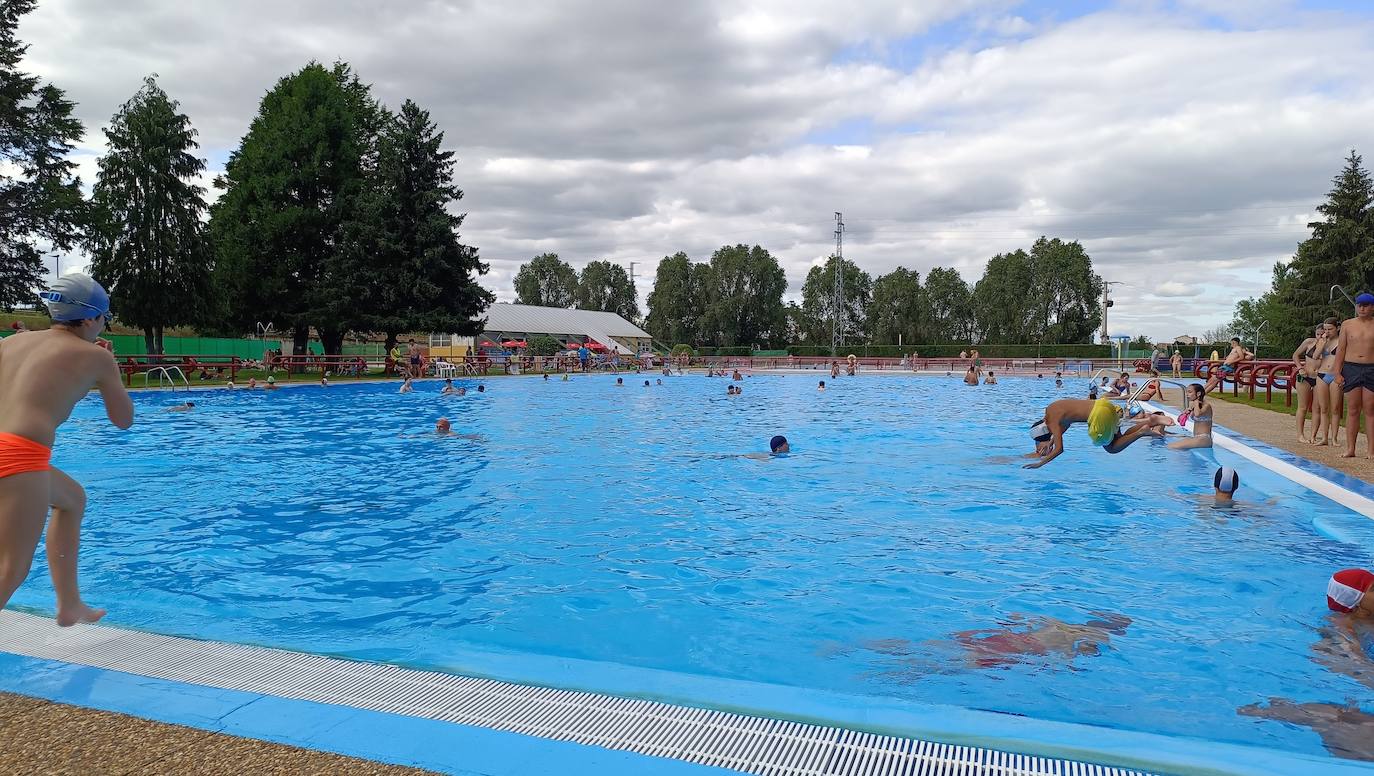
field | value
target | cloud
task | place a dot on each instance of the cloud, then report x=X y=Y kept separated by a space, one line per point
x=1176 y=148
x=1173 y=288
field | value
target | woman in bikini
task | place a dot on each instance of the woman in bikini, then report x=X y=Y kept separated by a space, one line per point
x=1305 y=376
x=1326 y=397
x=1200 y=410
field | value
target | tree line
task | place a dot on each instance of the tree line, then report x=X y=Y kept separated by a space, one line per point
x=1339 y=252
x=333 y=214
x=1048 y=294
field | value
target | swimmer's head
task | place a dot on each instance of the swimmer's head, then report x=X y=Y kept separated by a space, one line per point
x=1197 y=390
x=620 y=381
x=778 y=444
x=190 y=404
x=481 y=389
x=1040 y=431
x=271 y=380
x=821 y=385
x=1348 y=589
x=448 y=381
x=442 y=425
x=646 y=383
x=1226 y=481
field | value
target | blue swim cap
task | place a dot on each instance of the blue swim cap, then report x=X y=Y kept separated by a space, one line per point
x=75 y=297
x=776 y=442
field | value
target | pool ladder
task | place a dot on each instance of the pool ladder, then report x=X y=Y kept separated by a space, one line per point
x=167 y=377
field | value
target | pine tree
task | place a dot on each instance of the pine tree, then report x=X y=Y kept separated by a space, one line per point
x=1339 y=252
x=148 y=242
x=409 y=269
x=40 y=197
x=289 y=191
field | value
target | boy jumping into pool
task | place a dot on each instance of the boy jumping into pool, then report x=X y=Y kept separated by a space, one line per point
x=1061 y=414
x=43 y=374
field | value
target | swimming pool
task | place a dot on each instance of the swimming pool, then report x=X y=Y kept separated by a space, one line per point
x=621 y=525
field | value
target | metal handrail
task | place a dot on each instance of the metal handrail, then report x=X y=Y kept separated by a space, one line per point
x=165 y=373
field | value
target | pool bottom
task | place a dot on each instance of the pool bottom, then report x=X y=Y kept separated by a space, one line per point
x=713 y=722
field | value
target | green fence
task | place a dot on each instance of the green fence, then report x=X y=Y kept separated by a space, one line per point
x=131 y=344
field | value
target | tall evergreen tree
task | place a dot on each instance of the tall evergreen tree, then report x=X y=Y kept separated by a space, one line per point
x=1339 y=252
x=678 y=302
x=744 y=297
x=546 y=281
x=40 y=196
x=148 y=242
x=818 y=302
x=289 y=189
x=606 y=287
x=401 y=263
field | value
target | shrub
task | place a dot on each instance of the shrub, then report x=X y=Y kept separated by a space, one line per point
x=544 y=345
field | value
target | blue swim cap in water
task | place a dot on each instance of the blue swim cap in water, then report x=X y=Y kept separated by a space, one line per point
x=776 y=442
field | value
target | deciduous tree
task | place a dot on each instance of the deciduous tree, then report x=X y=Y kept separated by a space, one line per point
x=546 y=281
x=818 y=302
x=606 y=287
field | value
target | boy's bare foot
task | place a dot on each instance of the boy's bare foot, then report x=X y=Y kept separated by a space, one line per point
x=1348 y=454
x=66 y=617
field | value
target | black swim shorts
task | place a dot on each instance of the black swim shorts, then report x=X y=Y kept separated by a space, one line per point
x=1357 y=376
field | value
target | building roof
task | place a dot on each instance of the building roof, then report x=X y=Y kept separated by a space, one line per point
x=530 y=319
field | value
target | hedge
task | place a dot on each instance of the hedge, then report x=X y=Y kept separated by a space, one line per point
x=952 y=351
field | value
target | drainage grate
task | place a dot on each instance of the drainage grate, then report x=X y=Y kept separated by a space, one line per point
x=759 y=745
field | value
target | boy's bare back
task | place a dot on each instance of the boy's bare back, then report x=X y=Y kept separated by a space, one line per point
x=43 y=374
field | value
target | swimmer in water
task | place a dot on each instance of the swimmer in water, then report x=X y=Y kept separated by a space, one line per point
x=991 y=379
x=1039 y=637
x=660 y=381
x=448 y=388
x=971 y=377
x=186 y=407
x=620 y=382
x=546 y=377
x=1225 y=482
x=736 y=376
x=776 y=446
x=1061 y=414
x=324 y=381
x=271 y=383
x=646 y=383
x=821 y=387
x=406 y=387
x=442 y=427
x=1346 y=731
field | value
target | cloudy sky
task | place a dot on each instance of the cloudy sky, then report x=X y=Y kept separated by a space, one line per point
x=1184 y=142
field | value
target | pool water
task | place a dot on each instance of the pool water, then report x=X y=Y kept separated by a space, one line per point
x=622 y=525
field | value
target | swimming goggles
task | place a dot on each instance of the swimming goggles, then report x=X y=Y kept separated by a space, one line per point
x=56 y=297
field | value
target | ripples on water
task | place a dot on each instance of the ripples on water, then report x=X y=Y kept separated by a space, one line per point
x=622 y=525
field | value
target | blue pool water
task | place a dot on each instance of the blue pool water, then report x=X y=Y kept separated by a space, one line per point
x=621 y=525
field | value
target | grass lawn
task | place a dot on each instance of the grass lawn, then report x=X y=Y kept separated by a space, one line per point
x=1276 y=405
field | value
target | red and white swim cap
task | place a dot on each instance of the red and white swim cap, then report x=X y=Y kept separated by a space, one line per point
x=1347 y=588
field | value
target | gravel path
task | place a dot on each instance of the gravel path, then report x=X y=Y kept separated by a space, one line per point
x=50 y=738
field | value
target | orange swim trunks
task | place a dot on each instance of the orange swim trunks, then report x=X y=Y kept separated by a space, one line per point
x=19 y=455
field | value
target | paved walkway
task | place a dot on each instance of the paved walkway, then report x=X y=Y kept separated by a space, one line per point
x=50 y=738
x=1279 y=429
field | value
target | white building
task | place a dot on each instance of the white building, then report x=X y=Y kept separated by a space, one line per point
x=520 y=322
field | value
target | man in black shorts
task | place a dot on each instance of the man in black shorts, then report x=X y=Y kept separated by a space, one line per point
x=1355 y=372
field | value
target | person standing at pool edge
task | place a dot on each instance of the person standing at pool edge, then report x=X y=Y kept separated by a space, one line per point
x=42 y=376
x=1354 y=372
